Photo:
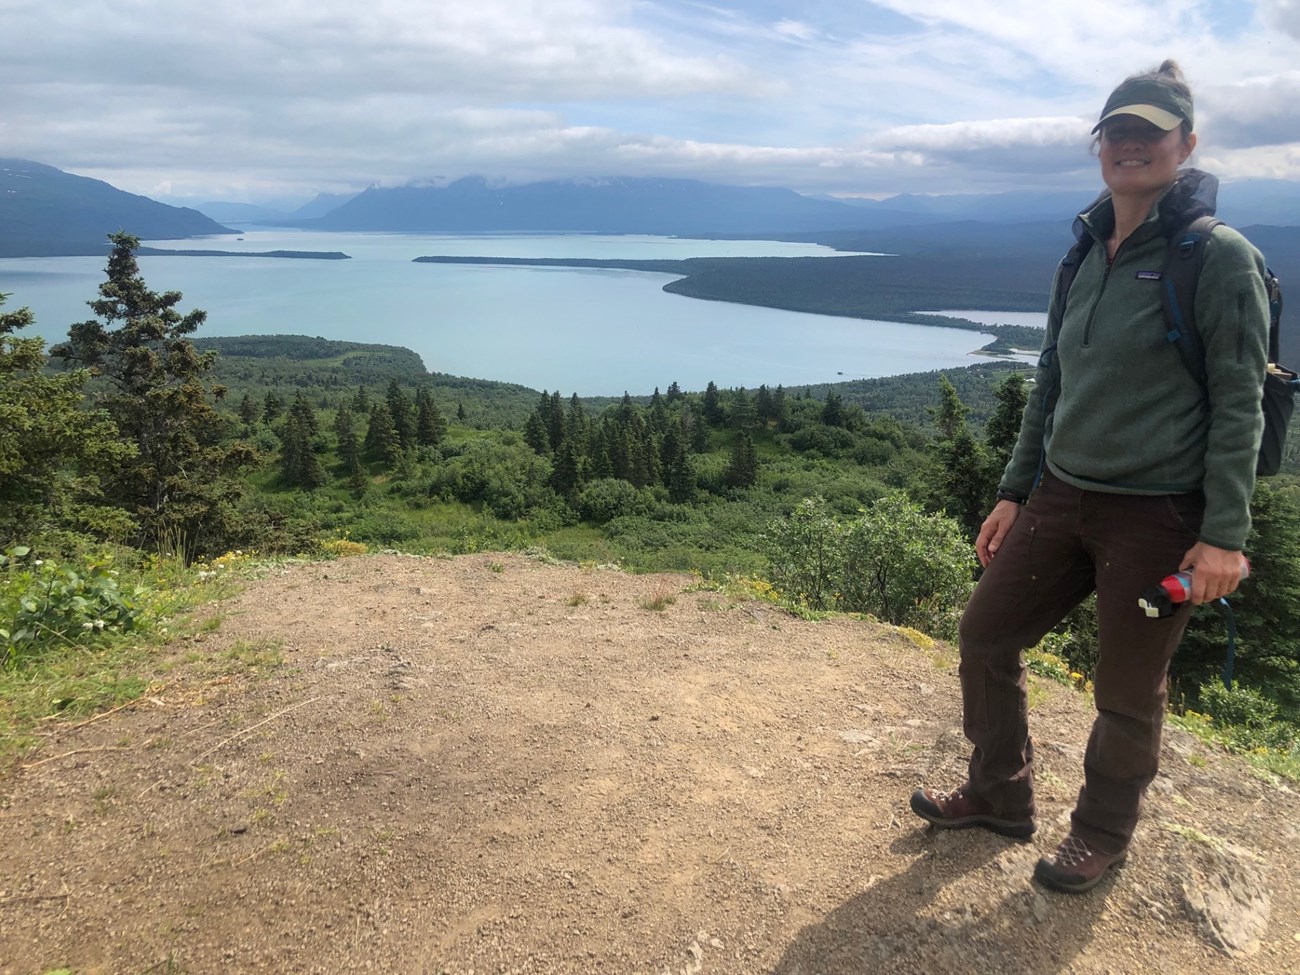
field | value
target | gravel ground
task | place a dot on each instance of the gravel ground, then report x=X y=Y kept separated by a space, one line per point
x=492 y=764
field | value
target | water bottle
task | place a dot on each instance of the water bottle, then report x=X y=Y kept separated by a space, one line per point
x=1172 y=591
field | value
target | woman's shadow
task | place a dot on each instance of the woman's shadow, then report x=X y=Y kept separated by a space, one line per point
x=966 y=904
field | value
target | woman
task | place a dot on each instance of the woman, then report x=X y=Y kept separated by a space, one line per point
x=1126 y=469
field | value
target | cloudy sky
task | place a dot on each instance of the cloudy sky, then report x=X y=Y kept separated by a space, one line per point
x=256 y=100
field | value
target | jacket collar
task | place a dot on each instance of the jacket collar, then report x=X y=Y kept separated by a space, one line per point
x=1193 y=194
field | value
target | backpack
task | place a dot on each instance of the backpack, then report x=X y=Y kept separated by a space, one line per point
x=1177 y=297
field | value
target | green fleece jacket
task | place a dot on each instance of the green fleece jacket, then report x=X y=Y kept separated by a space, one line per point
x=1123 y=413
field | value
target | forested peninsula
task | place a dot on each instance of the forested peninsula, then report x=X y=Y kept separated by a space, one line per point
x=293 y=255
x=885 y=288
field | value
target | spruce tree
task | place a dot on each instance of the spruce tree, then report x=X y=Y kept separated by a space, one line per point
x=712 y=405
x=349 y=448
x=535 y=434
x=402 y=413
x=272 y=407
x=742 y=470
x=678 y=471
x=568 y=470
x=833 y=410
x=54 y=454
x=430 y=427
x=248 y=411
x=180 y=486
x=382 y=441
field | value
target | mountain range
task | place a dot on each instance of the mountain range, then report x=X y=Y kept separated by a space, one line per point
x=46 y=212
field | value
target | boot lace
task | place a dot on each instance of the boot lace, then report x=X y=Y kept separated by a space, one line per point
x=1072 y=852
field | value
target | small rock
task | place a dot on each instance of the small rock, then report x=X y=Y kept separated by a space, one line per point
x=1040 y=908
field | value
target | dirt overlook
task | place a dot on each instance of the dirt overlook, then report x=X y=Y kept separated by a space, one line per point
x=491 y=764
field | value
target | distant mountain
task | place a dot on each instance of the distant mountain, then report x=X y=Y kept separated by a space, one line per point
x=322 y=204
x=45 y=211
x=244 y=213
x=613 y=206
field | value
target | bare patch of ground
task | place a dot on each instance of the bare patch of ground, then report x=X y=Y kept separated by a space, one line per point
x=490 y=764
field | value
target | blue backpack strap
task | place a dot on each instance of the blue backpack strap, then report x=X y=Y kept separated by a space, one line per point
x=1183 y=262
x=1069 y=270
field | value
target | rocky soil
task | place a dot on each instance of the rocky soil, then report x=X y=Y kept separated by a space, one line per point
x=490 y=764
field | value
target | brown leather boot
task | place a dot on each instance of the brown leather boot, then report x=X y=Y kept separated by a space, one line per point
x=959 y=809
x=1075 y=866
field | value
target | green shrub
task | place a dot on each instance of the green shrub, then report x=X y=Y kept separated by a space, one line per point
x=907 y=567
x=609 y=498
x=805 y=554
x=46 y=605
x=1250 y=718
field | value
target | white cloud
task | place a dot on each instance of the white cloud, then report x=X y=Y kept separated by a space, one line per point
x=252 y=97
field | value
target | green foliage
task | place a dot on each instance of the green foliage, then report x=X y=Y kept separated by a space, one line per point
x=805 y=553
x=608 y=498
x=1248 y=722
x=179 y=482
x=894 y=561
x=54 y=453
x=742 y=470
x=907 y=567
x=47 y=605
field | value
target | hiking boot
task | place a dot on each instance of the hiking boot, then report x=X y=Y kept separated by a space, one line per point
x=959 y=809
x=1075 y=866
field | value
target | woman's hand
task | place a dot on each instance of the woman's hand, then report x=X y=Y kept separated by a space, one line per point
x=1217 y=571
x=994 y=529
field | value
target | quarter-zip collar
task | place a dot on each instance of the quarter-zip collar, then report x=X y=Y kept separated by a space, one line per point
x=1193 y=194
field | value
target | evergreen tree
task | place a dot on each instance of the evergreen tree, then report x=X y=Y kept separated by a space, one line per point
x=299 y=465
x=361 y=402
x=180 y=485
x=535 y=434
x=349 y=448
x=764 y=407
x=778 y=406
x=833 y=410
x=568 y=470
x=402 y=413
x=742 y=471
x=53 y=453
x=678 y=470
x=248 y=411
x=740 y=413
x=576 y=427
x=711 y=406
x=950 y=415
x=302 y=412
x=957 y=476
x=1003 y=428
x=460 y=412
x=382 y=441
x=430 y=427
x=674 y=393
x=962 y=491
x=272 y=407
x=555 y=420
x=695 y=433
x=1266 y=610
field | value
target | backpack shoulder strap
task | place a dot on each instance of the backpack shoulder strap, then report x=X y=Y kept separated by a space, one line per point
x=1069 y=270
x=1273 y=287
x=1183 y=262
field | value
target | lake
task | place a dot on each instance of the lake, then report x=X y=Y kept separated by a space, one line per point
x=594 y=332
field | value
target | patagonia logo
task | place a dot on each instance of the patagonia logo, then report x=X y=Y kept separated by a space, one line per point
x=1150 y=275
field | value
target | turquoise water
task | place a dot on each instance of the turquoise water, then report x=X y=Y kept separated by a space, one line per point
x=594 y=332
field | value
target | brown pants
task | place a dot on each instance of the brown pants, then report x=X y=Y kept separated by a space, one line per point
x=1066 y=543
